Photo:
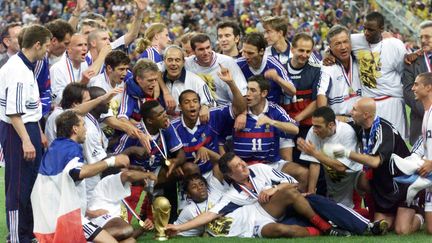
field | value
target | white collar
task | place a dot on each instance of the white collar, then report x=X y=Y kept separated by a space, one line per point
x=194 y=129
x=265 y=110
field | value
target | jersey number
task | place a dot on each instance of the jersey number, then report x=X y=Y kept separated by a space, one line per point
x=256 y=144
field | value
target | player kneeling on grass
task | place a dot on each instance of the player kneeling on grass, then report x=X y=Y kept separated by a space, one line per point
x=58 y=197
x=107 y=199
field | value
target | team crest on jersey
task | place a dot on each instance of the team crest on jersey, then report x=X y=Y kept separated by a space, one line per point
x=221 y=226
x=267 y=128
x=95 y=153
x=340 y=78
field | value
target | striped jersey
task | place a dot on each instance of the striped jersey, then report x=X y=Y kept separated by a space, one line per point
x=267 y=63
x=262 y=177
x=167 y=140
x=283 y=57
x=204 y=134
x=341 y=88
x=306 y=81
x=261 y=143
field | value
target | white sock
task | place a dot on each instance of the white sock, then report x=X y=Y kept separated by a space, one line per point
x=421 y=218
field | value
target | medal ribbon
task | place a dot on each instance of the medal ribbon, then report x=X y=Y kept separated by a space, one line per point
x=428 y=62
x=70 y=70
x=348 y=76
x=253 y=193
x=368 y=142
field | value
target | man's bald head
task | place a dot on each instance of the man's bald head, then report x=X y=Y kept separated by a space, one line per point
x=367 y=105
x=363 y=112
x=77 y=48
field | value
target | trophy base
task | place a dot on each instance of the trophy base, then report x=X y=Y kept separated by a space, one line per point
x=161 y=238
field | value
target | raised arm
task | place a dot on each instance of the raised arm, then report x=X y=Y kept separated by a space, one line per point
x=86 y=107
x=75 y=17
x=239 y=103
x=133 y=32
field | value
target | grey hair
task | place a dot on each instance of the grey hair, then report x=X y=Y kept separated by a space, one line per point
x=174 y=47
x=335 y=30
x=426 y=24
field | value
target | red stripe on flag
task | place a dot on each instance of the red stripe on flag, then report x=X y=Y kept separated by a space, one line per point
x=254 y=134
x=68 y=230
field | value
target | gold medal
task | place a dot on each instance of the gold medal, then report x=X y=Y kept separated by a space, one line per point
x=167 y=162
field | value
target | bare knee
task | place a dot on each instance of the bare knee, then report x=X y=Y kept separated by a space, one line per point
x=129 y=240
x=289 y=191
x=429 y=229
x=401 y=230
x=119 y=229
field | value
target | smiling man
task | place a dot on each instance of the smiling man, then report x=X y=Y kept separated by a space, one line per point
x=255 y=62
x=166 y=142
x=228 y=39
x=178 y=79
x=421 y=65
x=341 y=174
x=207 y=63
x=340 y=85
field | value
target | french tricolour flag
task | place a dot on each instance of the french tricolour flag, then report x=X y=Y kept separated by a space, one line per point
x=56 y=204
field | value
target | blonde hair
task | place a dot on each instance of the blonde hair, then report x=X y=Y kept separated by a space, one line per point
x=149 y=34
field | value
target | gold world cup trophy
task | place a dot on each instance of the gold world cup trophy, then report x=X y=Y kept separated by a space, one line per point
x=161 y=208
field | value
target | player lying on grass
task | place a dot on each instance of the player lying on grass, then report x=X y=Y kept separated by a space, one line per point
x=264 y=196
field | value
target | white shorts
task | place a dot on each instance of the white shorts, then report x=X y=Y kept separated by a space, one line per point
x=246 y=222
x=91 y=230
x=393 y=110
x=286 y=143
x=278 y=165
x=102 y=220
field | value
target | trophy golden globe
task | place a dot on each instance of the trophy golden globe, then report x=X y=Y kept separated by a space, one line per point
x=161 y=212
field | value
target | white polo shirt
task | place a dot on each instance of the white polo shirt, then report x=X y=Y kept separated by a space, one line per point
x=63 y=73
x=19 y=91
x=94 y=149
x=220 y=90
x=188 y=80
x=341 y=90
x=50 y=125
